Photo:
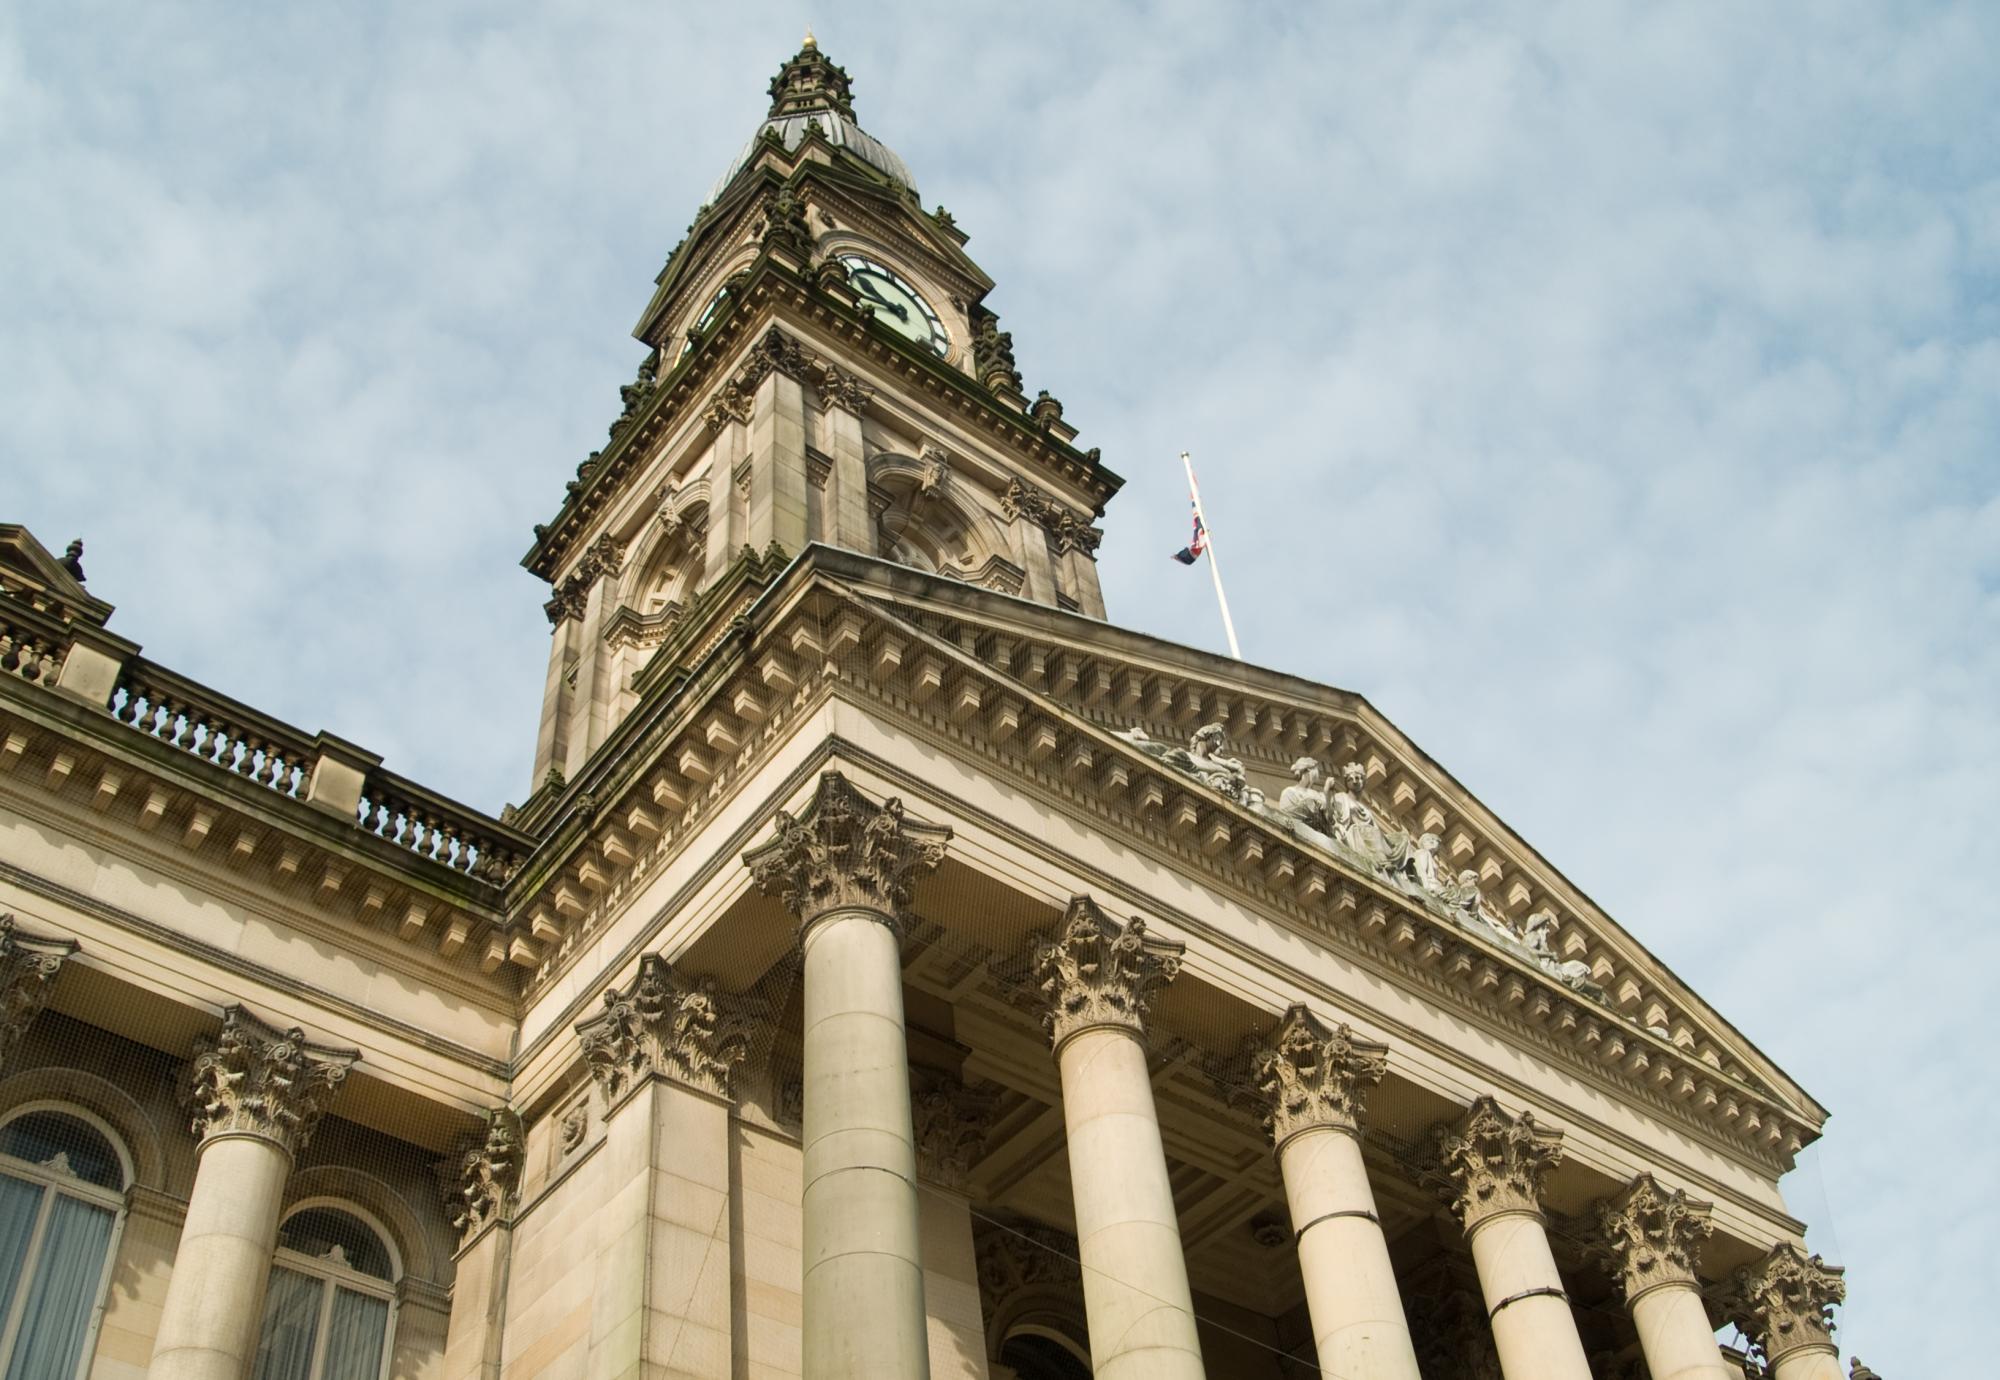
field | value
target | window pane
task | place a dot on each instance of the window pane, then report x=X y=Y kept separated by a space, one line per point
x=355 y=1337
x=291 y=1321
x=64 y=1293
x=318 y=1232
x=19 y=1202
x=42 y=1137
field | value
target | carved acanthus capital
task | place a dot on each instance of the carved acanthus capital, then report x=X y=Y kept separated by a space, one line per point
x=253 y=1079
x=572 y=596
x=481 y=1183
x=1308 y=1075
x=1065 y=526
x=846 y=852
x=1495 y=1163
x=950 y=1121
x=1785 y=1301
x=838 y=388
x=730 y=404
x=1097 y=972
x=664 y=1024
x=776 y=353
x=28 y=967
x=1649 y=1236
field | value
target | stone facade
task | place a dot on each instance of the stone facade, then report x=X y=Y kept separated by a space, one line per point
x=895 y=969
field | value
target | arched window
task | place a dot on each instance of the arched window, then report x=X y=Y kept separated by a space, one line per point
x=327 y=1311
x=62 y=1184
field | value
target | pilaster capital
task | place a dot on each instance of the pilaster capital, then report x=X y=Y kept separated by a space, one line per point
x=1786 y=1301
x=1649 y=1236
x=28 y=967
x=679 y=1028
x=481 y=1183
x=1307 y=1075
x=950 y=1121
x=846 y=852
x=253 y=1079
x=1495 y=1162
x=1097 y=972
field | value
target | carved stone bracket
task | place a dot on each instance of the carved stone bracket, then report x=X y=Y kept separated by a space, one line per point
x=678 y=1028
x=254 y=1079
x=1097 y=972
x=481 y=1183
x=1649 y=1236
x=935 y=463
x=28 y=967
x=846 y=852
x=1785 y=1301
x=950 y=1122
x=1308 y=1075
x=1495 y=1163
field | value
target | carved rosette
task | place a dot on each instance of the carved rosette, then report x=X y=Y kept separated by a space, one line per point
x=28 y=967
x=1096 y=972
x=950 y=1121
x=253 y=1079
x=846 y=853
x=1496 y=1163
x=1649 y=1236
x=1307 y=1075
x=1785 y=1301
x=666 y=1025
x=481 y=1183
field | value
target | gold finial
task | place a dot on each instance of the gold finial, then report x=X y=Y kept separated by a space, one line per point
x=811 y=42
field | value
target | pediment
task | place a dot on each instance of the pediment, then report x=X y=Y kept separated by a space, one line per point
x=32 y=575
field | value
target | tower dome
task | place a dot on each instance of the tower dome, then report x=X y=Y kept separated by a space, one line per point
x=811 y=88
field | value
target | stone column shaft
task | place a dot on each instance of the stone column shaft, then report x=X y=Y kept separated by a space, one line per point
x=479 y=1196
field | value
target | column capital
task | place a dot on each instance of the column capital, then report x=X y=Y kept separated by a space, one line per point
x=1307 y=1074
x=1649 y=1236
x=1495 y=1162
x=479 y=1186
x=1097 y=972
x=1786 y=1301
x=253 y=1079
x=950 y=1121
x=679 y=1028
x=28 y=967
x=846 y=852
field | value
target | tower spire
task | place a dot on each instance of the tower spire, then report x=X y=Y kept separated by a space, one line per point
x=810 y=82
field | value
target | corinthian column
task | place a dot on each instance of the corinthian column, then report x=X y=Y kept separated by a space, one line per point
x=1496 y=1164
x=1786 y=1302
x=256 y=1094
x=28 y=967
x=1651 y=1242
x=1314 y=1082
x=845 y=870
x=1099 y=977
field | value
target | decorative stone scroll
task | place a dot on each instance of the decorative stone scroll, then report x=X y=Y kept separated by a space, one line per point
x=1066 y=526
x=1649 y=1236
x=480 y=1185
x=1097 y=972
x=28 y=967
x=1495 y=1163
x=253 y=1079
x=950 y=1122
x=846 y=852
x=1785 y=1301
x=1308 y=1075
x=666 y=1025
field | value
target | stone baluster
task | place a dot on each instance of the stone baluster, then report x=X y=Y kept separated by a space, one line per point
x=256 y=1093
x=28 y=967
x=1313 y=1083
x=480 y=1187
x=663 y=1052
x=1785 y=1301
x=1650 y=1240
x=1098 y=978
x=1496 y=1164
x=845 y=870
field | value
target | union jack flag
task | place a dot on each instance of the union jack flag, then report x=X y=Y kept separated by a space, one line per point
x=1191 y=553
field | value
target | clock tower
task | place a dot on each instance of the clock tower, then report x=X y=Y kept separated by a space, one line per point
x=821 y=367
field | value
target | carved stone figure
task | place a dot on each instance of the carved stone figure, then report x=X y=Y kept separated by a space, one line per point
x=1427 y=869
x=1354 y=823
x=1096 y=972
x=1305 y=801
x=950 y=1122
x=254 y=1079
x=664 y=1024
x=1538 y=933
x=1205 y=758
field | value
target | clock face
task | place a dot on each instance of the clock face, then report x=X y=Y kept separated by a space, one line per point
x=896 y=303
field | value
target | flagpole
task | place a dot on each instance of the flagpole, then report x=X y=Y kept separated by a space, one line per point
x=1228 y=623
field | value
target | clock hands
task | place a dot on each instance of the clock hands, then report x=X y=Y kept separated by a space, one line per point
x=866 y=283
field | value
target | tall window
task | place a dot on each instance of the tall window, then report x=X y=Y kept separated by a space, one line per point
x=62 y=1183
x=327 y=1310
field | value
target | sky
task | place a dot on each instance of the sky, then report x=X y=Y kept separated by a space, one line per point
x=1609 y=392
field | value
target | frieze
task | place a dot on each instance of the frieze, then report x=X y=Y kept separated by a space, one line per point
x=950 y=1122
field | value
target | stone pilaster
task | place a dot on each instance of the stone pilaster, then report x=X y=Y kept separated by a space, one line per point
x=845 y=869
x=1785 y=1301
x=1649 y=1239
x=479 y=1186
x=28 y=967
x=1495 y=1165
x=479 y=1193
x=668 y=1026
x=1098 y=979
x=950 y=1121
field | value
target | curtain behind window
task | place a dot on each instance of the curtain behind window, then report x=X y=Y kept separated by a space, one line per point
x=291 y=1320
x=19 y=1202
x=354 y=1337
x=64 y=1292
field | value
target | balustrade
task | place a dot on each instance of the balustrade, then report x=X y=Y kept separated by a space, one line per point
x=31 y=654
x=213 y=728
x=403 y=813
